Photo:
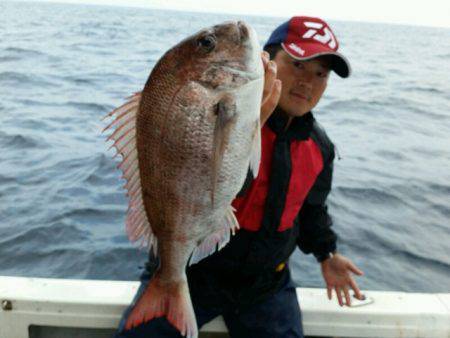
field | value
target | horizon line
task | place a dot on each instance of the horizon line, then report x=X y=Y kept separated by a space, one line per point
x=128 y=5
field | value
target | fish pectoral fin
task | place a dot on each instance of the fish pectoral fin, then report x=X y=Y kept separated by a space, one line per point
x=226 y=115
x=217 y=240
x=255 y=156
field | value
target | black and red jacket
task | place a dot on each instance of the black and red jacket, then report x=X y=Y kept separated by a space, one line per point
x=283 y=207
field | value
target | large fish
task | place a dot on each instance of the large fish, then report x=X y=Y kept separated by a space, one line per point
x=187 y=141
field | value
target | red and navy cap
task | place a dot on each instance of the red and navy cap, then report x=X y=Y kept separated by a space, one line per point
x=305 y=38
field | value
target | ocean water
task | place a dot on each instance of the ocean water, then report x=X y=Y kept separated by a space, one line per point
x=62 y=205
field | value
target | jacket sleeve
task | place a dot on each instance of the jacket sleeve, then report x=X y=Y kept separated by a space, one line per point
x=315 y=233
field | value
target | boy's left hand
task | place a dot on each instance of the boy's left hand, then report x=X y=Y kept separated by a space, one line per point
x=337 y=273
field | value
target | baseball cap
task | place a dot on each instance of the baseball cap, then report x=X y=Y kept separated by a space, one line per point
x=304 y=38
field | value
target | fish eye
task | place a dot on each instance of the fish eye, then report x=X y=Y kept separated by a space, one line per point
x=207 y=43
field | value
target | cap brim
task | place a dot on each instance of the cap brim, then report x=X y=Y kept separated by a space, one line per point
x=339 y=63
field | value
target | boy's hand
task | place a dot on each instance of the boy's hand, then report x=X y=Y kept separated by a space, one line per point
x=336 y=272
x=272 y=88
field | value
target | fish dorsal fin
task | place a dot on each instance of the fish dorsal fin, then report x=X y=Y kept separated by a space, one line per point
x=216 y=240
x=124 y=136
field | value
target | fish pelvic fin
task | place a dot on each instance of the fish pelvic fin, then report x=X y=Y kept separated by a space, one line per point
x=226 y=116
x=163 y=299
x=217 y=240
x=123 y=134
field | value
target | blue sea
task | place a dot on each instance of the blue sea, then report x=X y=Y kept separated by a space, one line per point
x=62 y=205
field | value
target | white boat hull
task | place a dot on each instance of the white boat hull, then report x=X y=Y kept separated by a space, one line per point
x=37 y=307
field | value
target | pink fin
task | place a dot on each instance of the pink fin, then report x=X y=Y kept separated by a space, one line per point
x=217 y=240
x=132 y=101
x=124 y=135
x=170 y=300
x=255 y=157
x=226 y=116
x=122 y=119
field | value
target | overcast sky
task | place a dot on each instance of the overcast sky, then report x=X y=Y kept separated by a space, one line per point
x=413 y=12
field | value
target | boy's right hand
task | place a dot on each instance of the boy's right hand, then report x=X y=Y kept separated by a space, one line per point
x=272 y=88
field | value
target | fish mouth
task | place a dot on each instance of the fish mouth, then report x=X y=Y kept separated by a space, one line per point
x=243 y=30
x=250 y=73
x=249 y=39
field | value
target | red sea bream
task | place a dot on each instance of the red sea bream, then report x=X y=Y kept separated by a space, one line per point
x=187 y=141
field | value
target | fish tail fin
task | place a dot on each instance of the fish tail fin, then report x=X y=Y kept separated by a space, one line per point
x=180 y=312
x=170 y=300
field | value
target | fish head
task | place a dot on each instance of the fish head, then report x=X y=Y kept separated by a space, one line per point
x=221 y=57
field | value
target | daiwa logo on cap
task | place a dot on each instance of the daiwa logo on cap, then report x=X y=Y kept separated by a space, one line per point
x=305 y=37
x=313 y=32
x=296 y=48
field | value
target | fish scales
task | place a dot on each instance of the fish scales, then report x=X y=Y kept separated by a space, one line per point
x=194 y=132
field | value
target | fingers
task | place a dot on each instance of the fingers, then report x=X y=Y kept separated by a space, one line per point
x=270 y=75
x=272 y=88
x=352 y=267
x=265 y=58
x=271 y=102
x=356 y=289
x=348 y=300
x=343 y=290
x=339 y=295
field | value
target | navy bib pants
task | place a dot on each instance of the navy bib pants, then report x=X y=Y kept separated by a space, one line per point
x=277 y=316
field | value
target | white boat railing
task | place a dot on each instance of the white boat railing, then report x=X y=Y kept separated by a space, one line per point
x=67 y=303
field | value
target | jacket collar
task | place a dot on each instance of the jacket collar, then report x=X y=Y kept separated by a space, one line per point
x=299 y=129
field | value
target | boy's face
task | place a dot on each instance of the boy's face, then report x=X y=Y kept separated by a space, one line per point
x=303 y=82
